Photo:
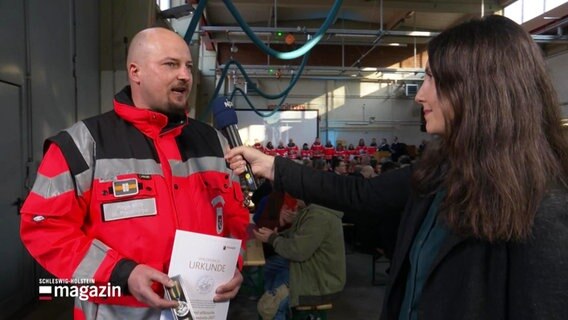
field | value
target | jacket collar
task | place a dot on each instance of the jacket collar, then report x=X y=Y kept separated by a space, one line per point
x=149 y=122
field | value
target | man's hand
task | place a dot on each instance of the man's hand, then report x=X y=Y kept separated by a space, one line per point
x=229 y=290
x=263 y=234
x=140 y=286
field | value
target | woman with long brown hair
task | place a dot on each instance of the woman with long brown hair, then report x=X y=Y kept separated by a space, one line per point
x=484 y=232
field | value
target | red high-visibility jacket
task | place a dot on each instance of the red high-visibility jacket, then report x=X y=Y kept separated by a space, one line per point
x=270 y=152
x=371 y=150
x=317 y=150
x=292 y=151
x=362 y=150
x=306 y=153
x=258 y=147
x=111 y=191
x=283 y=152
x=328 y=152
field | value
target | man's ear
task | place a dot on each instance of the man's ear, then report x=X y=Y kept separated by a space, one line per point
x=134 y=72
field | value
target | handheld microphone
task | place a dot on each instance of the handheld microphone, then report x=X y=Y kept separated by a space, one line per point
x=226 y=121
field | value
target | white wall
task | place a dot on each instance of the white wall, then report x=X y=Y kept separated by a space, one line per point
x=558 y=68
x=346 y=108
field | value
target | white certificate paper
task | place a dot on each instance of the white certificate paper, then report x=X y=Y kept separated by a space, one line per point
x=204 y=262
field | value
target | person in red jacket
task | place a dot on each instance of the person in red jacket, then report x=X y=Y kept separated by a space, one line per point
x=340 y=151
x=292 y=150
x=361 y=147
x=352 y=152
x=328 y=151
x=281 y=150
x=306 y=152
x=112 y=190
x=258 y=146
x=269 y=149
x=317 y=149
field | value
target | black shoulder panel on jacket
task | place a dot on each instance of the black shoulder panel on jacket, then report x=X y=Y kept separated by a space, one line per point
x=118 y=139
x=199 y=140
x=74 y=158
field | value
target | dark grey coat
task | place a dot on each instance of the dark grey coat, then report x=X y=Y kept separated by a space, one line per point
x=470 y=279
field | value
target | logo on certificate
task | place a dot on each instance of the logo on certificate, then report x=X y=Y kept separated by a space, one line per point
x=205 y=284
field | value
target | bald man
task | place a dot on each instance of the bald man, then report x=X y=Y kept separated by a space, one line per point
x=111 y=190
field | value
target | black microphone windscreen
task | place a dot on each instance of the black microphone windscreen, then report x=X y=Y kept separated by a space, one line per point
x=223 y=113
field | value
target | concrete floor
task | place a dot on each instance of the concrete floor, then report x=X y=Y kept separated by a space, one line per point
x=359 y=300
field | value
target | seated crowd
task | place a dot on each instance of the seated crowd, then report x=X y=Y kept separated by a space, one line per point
x=300 y=239
x=380 y=157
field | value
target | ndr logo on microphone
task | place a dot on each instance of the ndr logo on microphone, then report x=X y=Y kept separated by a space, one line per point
x=228 y=104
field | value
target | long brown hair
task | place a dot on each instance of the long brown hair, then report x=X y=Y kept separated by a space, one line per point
x=503 y=145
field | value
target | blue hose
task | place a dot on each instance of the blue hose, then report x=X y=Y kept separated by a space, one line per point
x=285 y=55
x=302 y=51
x=194 y=21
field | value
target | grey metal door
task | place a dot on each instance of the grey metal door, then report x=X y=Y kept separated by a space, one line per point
x=16 y=268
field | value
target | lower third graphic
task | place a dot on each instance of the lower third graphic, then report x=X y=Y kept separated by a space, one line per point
x=83 y=292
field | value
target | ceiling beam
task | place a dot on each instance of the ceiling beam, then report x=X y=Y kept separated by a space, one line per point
x=398 y=19
x=467 y=6
x=542 y=38
x=355 y=32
